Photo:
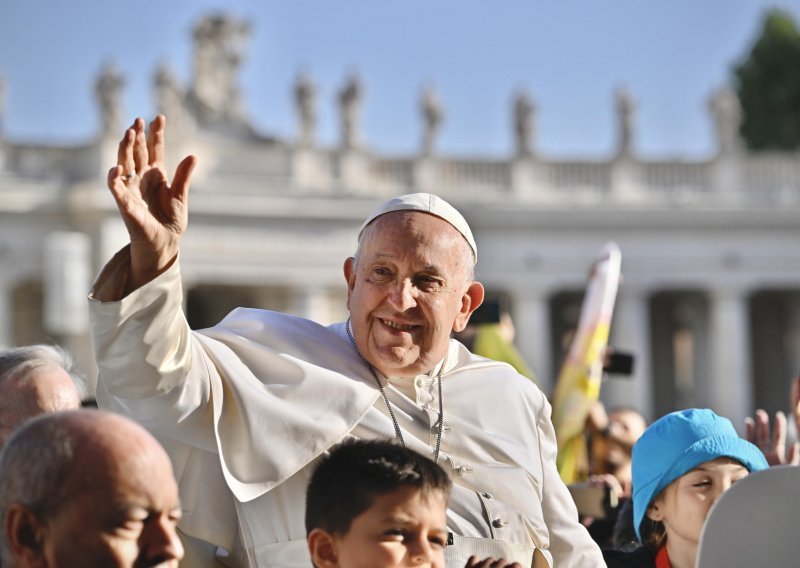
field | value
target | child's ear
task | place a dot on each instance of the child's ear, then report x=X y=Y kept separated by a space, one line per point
x=655 y=512
x=322 y=546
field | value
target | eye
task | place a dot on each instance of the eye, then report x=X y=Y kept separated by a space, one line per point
x=427 y=282
x=703 y=483
x=438 y=541
x=381 y=273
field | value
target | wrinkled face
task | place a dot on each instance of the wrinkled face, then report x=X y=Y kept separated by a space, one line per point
x=402 y=528
x=124 y=518
x=408 y=289
x=50 y=389
x=684 y=504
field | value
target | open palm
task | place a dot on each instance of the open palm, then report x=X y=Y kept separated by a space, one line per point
x=154 y=211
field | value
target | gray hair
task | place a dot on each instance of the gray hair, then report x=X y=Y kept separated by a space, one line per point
x=34 y=470
x=20 y=363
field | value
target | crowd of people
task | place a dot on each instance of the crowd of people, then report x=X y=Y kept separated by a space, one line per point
x=273 y=441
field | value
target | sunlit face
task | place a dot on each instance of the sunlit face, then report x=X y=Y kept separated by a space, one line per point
x=408 y=289
x=402 y=528
x=122 y=517
x=684 y=504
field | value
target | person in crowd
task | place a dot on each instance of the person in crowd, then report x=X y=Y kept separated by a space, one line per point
x=36 y=379
x=248 y=406
x=87 y=488
x=611 y=439
x=377 y=504
x=681 y=464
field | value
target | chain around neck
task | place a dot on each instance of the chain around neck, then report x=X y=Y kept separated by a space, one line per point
x=397 y=432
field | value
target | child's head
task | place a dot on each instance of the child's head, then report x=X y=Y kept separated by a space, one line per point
x=377 y=504
x=681 y=464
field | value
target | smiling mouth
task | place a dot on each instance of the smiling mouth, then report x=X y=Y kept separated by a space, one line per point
x=397 y=326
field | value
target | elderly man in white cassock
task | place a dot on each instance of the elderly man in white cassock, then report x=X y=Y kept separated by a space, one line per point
x=247 y=407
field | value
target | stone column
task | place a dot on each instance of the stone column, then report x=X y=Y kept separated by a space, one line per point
x=310 y=302
x=67 y=279
x=729 y=376
x=529 y=312
x=630 y=332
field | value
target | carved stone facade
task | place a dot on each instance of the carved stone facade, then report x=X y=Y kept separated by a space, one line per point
x=710 y=303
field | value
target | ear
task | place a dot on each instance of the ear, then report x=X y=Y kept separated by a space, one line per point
x=350 y=277
x=655 y=512
x=470 y=300
x=322 y=546
x=26 y=535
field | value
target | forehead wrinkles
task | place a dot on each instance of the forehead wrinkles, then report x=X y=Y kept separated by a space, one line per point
x=391 y=236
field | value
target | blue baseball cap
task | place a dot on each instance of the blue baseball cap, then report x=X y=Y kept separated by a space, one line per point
x=677 y=443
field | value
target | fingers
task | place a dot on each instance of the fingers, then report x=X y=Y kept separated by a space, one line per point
x=795 y=399
x=793 y=458
x=114 y=180
x=139 y=147
x=125 y=151
x=750 y=430
x=475 y=562
x=183 y=177
x=155 y=140
x=762 y=429
x=779 y=433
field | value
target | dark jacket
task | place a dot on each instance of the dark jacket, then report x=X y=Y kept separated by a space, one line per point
x=640 y=557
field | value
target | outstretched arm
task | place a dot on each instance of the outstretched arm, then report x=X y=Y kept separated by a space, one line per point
x=154 y=210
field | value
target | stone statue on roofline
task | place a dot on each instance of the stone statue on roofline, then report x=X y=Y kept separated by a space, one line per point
x=523 y=120
x=626 y=110
x=432 y=117
x=726 y=113
x=108 y=87
x=305 y=98
x=349 y=108
x=219 y=42
x=170 y=99
x=2 y=102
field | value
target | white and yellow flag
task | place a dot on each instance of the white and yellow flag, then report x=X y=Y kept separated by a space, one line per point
x=578 y=385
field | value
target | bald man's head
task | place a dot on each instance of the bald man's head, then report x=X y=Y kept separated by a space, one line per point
x=33 y=380
x=87 y=488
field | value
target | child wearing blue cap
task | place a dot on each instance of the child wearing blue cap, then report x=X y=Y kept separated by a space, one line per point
x=681 y=464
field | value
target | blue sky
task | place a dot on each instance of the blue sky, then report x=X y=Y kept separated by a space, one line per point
x=570 y=55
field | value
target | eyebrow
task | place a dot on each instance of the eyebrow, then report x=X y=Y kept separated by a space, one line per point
x=386 y=255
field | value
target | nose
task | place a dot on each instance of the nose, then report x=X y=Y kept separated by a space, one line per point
x=724 y=485
x=421 y=552
x=160 y=543
x=402 y=296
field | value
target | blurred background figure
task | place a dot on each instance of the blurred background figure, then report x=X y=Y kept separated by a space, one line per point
x=602 y=497
x=35 y=379
x=490 y=333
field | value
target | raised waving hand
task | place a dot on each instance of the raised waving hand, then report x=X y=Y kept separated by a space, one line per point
x=154 y=210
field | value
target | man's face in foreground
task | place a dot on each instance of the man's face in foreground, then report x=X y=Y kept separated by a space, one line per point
x=122 y=514
x=408 y=289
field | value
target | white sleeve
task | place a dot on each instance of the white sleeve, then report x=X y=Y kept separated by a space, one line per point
x=150 y=367
x=570 y=543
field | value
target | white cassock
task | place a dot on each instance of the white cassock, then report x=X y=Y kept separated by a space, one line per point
x=247 y=407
